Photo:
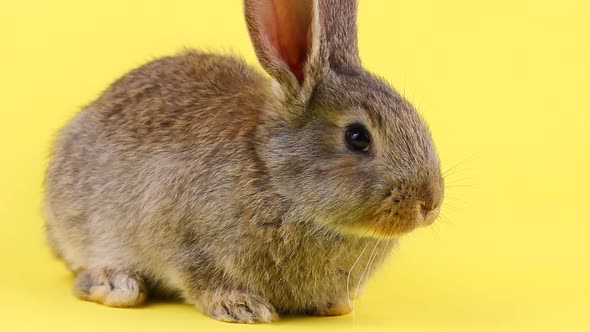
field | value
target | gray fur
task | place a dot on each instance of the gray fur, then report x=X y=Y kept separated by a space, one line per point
x=195 y=175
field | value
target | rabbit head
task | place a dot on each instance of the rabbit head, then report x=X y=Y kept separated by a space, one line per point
x=346 y=150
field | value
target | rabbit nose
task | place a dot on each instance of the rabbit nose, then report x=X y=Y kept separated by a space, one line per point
x=429 y=215
x=430 y=207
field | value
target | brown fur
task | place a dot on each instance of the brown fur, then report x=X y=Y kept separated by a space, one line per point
x=197 y=175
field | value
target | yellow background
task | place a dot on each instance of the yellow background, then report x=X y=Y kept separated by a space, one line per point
x=505 y=86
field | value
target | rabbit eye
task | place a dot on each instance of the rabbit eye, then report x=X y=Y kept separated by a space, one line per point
x=357 y=138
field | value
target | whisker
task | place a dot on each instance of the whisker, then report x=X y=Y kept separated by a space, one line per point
x=443 y=216
x=369 y=262
x=459 y=186
x=453 y=194
x=452 y=208
x=447 y=203
x=434 y=231
x=451 y=180
x=446 y=219
x=462 y=163
x=458 y=199
x=350 y=272
x=367 y=268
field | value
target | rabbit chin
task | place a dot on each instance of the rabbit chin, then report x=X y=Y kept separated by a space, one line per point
x=381 y=228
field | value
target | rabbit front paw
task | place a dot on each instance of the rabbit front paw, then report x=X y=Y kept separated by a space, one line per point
x=111 y=287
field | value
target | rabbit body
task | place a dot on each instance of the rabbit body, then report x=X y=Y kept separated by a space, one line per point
x=141 y=182
x=246 y=196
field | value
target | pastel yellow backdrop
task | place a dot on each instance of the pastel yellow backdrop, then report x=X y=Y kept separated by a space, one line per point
x=505 y=86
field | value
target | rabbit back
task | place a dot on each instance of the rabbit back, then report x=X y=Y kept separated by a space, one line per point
x=168 y=139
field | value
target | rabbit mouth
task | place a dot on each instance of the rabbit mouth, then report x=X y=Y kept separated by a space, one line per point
x=394 y=218
x=382 y=226
x=405 y=208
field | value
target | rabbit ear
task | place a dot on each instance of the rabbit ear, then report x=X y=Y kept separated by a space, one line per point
x=287 y=38
x=339 y=27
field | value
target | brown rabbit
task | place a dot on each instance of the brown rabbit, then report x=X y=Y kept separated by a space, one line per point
x=247 y=197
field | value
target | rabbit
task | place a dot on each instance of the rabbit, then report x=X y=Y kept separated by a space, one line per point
x=245 y=195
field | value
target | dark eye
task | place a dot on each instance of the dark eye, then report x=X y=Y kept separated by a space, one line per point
x=358 y=138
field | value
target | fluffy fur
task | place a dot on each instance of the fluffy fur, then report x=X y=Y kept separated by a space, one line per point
x=196 y=175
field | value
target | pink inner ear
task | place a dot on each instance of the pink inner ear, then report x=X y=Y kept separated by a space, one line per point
x=286 y=24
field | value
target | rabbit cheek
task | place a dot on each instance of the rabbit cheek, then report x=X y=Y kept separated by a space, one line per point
x=396 y=216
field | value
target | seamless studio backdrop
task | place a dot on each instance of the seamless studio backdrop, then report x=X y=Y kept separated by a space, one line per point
x=504 y=86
